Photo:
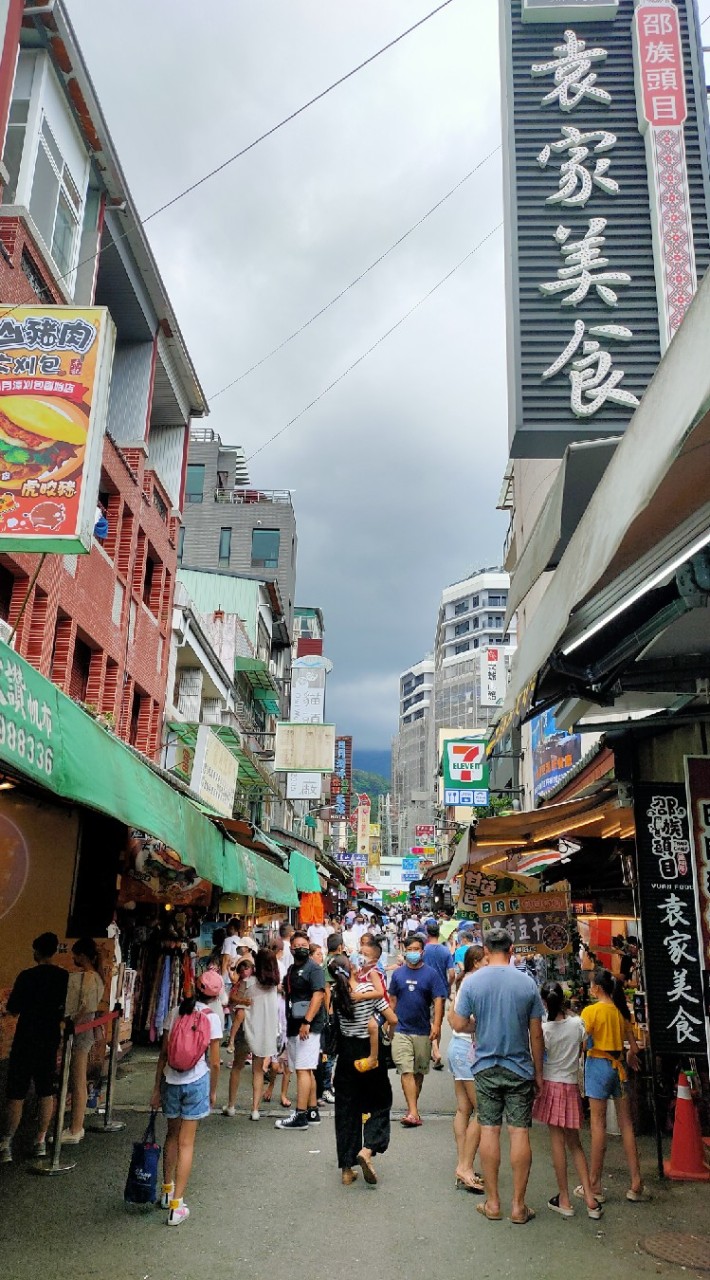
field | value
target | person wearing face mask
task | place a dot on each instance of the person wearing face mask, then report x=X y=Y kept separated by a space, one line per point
x=414 y=988
x=305 y=1018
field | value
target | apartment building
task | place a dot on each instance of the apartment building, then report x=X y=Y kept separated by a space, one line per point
x=471 y=621
x=98 y=624
x=229 y=526
x=413 y=753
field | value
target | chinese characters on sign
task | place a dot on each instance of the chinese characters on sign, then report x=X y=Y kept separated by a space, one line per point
x=55 y=365
x=672 y=955
x=341 y=778
x=697 y=774
x=536 y=922
x=493 y=678
x=586 y=270
x=25 y=722
x=663 y=110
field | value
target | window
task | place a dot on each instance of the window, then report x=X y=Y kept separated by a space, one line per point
x=461 y=607
x=462 y=648
x=474 y=602
x=462 y=628
x=496 y=602
x=14 y=143
x=475 y=624
x=181 y=543
x=225 y=547
x=55 y=202
x=148 y=579
x=265 y=548
x=475 y=642
x=195 y=482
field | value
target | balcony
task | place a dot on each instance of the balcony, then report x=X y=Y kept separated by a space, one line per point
x=251 y=497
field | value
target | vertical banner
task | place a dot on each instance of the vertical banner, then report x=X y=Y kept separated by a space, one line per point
x=669 y=919
x=493 y=678
x=697 y=781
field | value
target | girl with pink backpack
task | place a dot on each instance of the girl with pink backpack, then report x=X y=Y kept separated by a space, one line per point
x=185 y=1087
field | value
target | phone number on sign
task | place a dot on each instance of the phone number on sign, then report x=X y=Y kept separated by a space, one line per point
x=22 y=744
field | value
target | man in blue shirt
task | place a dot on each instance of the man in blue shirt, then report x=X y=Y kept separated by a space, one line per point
x=413 y=989
x=503 y=1008
x=440 y=958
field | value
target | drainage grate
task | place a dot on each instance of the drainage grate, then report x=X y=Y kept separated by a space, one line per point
x=684 y=1250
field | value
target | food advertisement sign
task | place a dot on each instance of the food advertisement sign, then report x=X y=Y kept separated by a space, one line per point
x=55 y=372
x=536 y=921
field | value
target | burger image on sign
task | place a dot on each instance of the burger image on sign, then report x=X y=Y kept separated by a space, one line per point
x=40 y=439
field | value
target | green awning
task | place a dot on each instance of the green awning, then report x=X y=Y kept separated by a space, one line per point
x=251 y=777
x=258 y=674
x=248 y=874
x=47 y=738
x=304 y=873
x=268 y=700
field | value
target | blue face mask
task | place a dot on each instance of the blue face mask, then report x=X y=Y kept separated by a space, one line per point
x=356 y=959
x=413 y=957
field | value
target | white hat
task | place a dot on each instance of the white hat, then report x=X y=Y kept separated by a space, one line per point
x=248 y=942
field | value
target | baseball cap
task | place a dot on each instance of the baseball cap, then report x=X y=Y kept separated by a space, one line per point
x=210 y=983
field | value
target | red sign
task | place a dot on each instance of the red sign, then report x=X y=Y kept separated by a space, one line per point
x=424 y=834
x=659 y=63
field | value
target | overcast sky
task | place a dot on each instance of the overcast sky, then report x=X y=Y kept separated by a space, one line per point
x=396 y=472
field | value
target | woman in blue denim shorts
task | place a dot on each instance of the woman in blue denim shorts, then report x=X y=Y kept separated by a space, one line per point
x=467 y=1130
x=185 y=1098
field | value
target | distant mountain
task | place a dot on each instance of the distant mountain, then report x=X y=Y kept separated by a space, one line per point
x=373 y=762
x=373 y=784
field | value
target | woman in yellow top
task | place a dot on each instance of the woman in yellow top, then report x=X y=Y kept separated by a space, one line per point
x=608 y=1024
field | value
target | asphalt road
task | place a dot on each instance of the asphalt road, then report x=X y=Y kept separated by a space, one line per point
x=263 y=1201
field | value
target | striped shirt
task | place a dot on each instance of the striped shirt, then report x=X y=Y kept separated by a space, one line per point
x=356 y=1027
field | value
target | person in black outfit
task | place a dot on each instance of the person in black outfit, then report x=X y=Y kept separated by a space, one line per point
x=304 y=989
x=358 y=1093
x=37 y=999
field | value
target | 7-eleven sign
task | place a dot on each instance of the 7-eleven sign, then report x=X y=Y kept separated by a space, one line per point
x=464 y=763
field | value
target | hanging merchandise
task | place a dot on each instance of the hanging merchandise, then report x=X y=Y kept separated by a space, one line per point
x=153 y=873
x=311 y=908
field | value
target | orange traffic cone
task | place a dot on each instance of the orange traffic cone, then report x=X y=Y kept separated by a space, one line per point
x=687 y=1162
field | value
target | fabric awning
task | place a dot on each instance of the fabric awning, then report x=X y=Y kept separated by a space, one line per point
x=304 y=873
x=657 y=481
x=581 y=470
x=254 y=877
x=597 y=814
x=258 y=674
x=460 y=856
x=50 y=740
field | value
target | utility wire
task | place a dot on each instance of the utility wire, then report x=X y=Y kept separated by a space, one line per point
x=141 y=222
x=376 y=344
x=348 y=287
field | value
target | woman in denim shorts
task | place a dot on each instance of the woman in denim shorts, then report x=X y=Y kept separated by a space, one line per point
x=467 y=1130
x=185 y=1098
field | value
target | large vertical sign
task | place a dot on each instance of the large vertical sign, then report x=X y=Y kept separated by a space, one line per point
x=308 y=677
x=697 y=781
x=341 y=780
x=55 y=373
x=587 y=259
x=663 y=111
x=669 y=919
x=493 y=678
x=364 y=807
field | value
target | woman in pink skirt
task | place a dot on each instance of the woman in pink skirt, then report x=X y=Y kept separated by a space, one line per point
x=559 y=1104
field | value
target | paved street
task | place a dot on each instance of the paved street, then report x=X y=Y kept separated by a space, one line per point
x=263 y=1200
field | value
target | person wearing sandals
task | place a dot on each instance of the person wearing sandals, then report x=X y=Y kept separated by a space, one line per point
x=607 y=1023
x=504 y=1009
x=559 y=1104
x=358 y=1093
x=467 y=1130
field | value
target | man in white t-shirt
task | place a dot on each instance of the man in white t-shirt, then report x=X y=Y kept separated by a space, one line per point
x=319 y=934
x=231 y=944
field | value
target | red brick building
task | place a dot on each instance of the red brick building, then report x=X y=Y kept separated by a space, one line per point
x=98 y=625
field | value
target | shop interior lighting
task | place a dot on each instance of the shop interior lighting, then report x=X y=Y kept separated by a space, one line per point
x=7 y=786
x=501 y=844
x=654 y=581
x=572 y=825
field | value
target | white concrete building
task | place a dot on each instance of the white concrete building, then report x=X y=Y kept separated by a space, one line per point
x=471 y=621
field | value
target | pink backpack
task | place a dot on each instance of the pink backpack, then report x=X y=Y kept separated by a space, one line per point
x=189 y=1040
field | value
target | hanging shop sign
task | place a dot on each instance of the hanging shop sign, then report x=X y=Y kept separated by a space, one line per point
x=154 y=874
x=425 y=833
x=536 y=922
x=599 y=277
x=304 y=748
x=55 y=372
x=669 y=919
x=364 y=806
x=464 y=765
x=464 y=798
x=341 y=779
x=554 y=752
x=304 y=786
x=697 y=781
x=214 y=772
x=493 y=678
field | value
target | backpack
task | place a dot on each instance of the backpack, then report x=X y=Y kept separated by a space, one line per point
x=189 y=1040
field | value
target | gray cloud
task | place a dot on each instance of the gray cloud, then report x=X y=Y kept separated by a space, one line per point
x=396 y=471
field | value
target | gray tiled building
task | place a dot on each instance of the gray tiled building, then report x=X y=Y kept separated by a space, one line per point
x=229 y=526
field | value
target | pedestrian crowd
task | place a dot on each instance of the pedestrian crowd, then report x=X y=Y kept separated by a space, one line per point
x=334 y=1008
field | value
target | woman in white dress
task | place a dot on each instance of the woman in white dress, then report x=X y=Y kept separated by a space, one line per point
x=261 y=1020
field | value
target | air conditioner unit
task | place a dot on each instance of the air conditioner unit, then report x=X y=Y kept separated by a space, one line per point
x=5 y=631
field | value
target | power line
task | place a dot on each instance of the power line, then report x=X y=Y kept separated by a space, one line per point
x=348 y=287
x=294 y=114
x=141 y=222
x=376 y=344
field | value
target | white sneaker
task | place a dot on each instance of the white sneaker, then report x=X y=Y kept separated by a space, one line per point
x=70 y=1139
x=167 y=1195
x=255 y=1116
x=229 y=1111
x=176 y=1216
x=6 y=1151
